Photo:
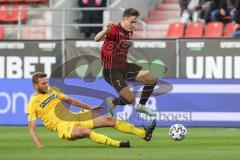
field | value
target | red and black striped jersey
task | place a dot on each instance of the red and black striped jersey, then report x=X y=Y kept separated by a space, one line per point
x=115 y=47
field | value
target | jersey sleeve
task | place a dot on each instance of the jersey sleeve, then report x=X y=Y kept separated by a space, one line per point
x=58 y=92
x=31 y=111
x=112 y=34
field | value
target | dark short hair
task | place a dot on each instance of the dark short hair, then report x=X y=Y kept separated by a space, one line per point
x=130 y=12
x=38 y=75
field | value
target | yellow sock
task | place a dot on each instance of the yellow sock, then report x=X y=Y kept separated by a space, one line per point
x=100 y=138
x=126 y=127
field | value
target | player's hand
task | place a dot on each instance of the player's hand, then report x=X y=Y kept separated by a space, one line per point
x=109 y=26
x=204 y=6
x=94 y=108
x=235 y=26
x=222 y=12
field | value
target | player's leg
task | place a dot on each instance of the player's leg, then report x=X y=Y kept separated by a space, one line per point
x=132 y=72
x=117 y=80
x=125 y=127
x=83 y=132
x=126 y=97
x=106 y=121
x=150 y=82
x=139 y=74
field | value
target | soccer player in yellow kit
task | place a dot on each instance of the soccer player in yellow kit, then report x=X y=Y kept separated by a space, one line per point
x=46 y=104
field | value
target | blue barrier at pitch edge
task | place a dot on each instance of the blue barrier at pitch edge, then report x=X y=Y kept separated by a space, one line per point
x=191 y=102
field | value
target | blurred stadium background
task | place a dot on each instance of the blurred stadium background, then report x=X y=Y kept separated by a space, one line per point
x=201 y=54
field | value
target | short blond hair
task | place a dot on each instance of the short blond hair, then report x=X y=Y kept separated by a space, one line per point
x=38 y=75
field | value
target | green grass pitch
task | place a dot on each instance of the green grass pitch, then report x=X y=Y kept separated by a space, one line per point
x=200 y=144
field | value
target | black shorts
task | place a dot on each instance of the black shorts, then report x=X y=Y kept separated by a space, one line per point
x=118 y=77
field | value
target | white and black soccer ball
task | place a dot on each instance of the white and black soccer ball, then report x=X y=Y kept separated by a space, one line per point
x=177 y=132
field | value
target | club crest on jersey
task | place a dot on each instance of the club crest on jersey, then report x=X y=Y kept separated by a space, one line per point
x=125 y=44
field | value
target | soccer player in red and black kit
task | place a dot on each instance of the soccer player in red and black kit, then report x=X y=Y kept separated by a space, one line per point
x=116 y=69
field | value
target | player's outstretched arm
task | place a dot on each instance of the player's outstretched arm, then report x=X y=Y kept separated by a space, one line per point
x=102 y=34
x=77 y=103
x=32 y=130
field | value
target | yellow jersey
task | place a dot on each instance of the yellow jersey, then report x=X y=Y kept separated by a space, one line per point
x=47 y=107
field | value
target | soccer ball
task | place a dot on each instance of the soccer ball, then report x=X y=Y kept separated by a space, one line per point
x=177 y=132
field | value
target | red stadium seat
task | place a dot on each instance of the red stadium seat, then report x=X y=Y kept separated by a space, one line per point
x=14 y=16
x=22 y=1
x=194 y=30
x=36 y=1
x=1 y=33
x=228 y=30
x=214 y=29
x=10 y=1
x=3 y=13
x=175 y=30
x=13 y=1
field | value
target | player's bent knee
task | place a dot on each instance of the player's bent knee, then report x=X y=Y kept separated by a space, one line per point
x=81 y=132
x=110 y=121
x=130 y=100
x=86 y=132
x=151 y=80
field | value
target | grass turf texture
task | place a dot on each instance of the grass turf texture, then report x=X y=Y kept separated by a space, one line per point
x=200 y=144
